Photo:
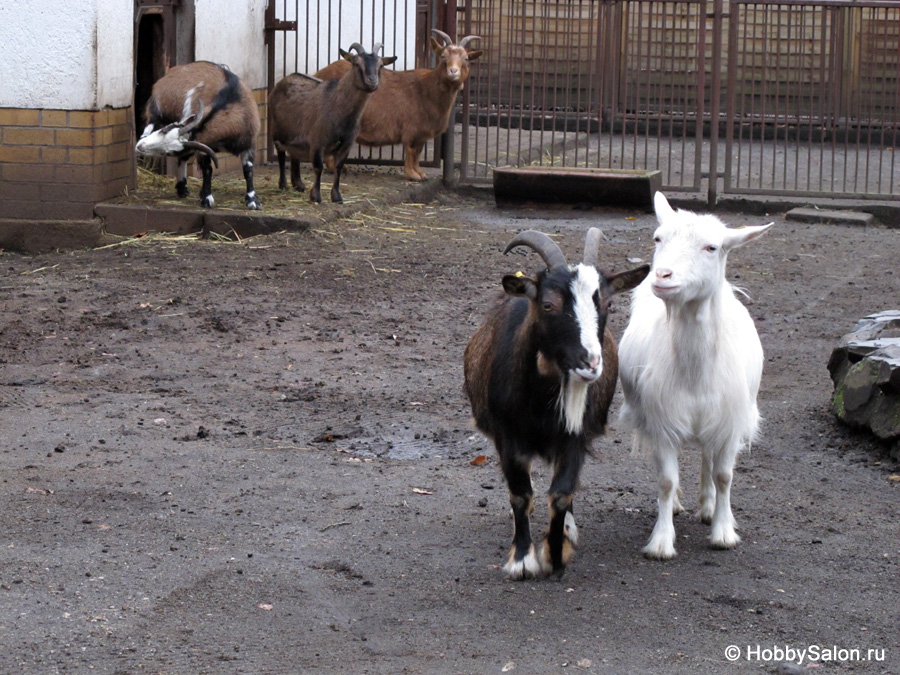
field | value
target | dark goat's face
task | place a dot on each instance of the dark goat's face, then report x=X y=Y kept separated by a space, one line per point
x=570 y=305
x=367 y=67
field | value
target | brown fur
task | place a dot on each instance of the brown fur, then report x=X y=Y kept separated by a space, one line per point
x=411 y=106
x=312 y=120
x=233 y=128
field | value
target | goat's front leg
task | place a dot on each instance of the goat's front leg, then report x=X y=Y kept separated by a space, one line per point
x=296 y=179
x=315 y=192
x=522 y=562
x=723 y=533
x=411 y=168
x=206 y=198
x=662 y=540
x=562 y=535
x=181 y=188
x=247 y=164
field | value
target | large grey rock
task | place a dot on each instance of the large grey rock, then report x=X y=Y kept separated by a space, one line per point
x=865 y=368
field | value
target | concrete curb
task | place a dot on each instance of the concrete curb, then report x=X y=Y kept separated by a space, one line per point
x=115 y=221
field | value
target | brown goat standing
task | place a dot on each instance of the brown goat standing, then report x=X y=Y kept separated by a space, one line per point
x=312 y=119
x=413 y=106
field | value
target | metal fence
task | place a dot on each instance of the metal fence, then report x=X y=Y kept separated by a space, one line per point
x=788 y=98
x=722 y=96
x=304 y=36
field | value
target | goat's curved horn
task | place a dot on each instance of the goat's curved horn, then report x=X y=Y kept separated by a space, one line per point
x=592 y=246
x=467 y=39
x=543 y=245
x=358 y=47
x=441 y=34
x=375 y=48
x=196 y=145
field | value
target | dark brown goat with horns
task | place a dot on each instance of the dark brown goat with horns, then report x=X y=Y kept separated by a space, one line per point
x=312 y=119
x=413 y=106
x=540 y=374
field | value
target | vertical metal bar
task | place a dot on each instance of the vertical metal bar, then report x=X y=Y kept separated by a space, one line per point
x=715 y=103
x=731 y=91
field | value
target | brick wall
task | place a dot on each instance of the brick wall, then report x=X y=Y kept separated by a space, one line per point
x=56 y=164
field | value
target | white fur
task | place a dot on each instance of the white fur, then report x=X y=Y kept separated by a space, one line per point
x=573 y=393
x=571 y=529
x=690 y=362
x=158 y=143
x=527 y=567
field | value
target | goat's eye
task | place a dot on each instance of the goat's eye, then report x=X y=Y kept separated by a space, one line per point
x=548 y=306
x=711 y=248
x=657 y=239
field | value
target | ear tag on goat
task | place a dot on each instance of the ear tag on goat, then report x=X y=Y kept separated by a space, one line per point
x=519 y=274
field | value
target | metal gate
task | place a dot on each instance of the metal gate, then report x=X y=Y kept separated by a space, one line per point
x=766 y=97
x=769 y=97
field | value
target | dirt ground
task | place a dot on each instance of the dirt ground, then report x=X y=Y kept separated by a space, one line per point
x=256 y=457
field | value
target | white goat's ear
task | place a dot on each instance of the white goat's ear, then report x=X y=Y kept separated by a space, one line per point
x=662 y=208
x=741 y=235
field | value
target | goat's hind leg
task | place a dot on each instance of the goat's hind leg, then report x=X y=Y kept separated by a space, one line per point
x=723 y=535
x=206 y=198
x=707 y=490
x=522 y=562
x=411 y=168
x=662 y=540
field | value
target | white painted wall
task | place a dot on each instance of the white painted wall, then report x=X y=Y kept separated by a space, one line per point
x=324 y=27
x=231 y=32
x=66 y=55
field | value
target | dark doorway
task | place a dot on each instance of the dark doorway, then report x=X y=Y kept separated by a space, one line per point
x=150 y=63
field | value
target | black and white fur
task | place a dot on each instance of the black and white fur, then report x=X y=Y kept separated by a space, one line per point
x=540 y=373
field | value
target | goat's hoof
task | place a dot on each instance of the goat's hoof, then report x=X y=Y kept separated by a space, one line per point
x=207 y=202
x=253 y=203
x=181 y=189
x=724 y=538
x=705 y=515
x=528 y=567
x=659 y=550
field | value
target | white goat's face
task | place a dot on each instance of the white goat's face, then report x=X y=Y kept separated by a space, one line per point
x=691 y=252
x=159 y=142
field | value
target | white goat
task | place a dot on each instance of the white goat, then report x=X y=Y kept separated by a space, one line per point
x=690 y=362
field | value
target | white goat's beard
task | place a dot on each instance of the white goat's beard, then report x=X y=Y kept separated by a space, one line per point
x=572 y=403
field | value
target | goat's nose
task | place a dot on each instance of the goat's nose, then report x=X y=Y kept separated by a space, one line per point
x=663 y=273
x=590 y=361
